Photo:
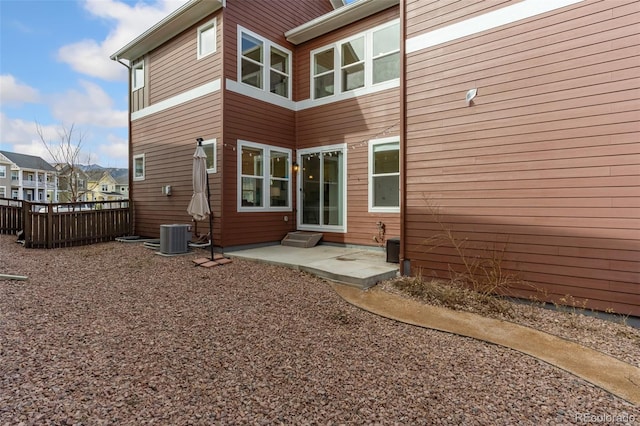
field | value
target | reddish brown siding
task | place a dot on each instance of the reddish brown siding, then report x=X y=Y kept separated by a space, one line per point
x=174 y=67
x=547 y=159
x=168 y=141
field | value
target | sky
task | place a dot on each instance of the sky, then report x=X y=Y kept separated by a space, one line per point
x=55 y=73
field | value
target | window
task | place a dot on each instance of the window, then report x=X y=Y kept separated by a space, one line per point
x=105 y=188
x=384 y=175
x=386 y=54
x=15 y=176
x=3 y=171
x=138 y=167
x=363 y=61
x=263 y=64
x=264 y=177
x=352 y=54
x=137 y=75
x=3 y=192
x=207 y=39
x=209 y=147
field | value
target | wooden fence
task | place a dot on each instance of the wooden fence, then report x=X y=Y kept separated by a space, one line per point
x=66 y=224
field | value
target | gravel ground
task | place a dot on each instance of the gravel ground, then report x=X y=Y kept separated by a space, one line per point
x=113 y=334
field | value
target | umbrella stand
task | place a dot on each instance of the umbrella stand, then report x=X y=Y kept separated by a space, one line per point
x=210 y=213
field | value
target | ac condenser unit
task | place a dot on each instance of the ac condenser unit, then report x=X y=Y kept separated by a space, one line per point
x=174 y=239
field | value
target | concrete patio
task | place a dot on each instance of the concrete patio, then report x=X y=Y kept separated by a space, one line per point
x=359 y=267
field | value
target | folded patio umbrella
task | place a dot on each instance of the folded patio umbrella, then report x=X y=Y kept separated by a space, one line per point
x=199 y=207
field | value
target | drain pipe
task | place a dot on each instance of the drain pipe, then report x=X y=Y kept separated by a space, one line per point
x=132 y=226
x=405 y=264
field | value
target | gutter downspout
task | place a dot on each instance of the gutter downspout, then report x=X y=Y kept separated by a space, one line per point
x=404 y=269
x=129 y=149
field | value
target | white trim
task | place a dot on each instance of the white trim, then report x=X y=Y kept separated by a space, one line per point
x=210 y=24
x=324 y=228
x=266 y=178
x=259 y=94
x=372 y=143
x=183 y=97
x=504 y=16
x=311 y=103
x=133 y=166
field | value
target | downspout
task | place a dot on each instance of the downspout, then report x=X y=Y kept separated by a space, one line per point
x=129 y=149
x=404 y=269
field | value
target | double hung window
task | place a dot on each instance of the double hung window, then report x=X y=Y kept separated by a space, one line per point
x=264 y=181
x=384 y=175
x=209 y=147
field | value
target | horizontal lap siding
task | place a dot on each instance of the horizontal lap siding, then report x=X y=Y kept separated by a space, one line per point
x=355 y=122
x=254 y=121
x=174 y=67
x=546 y=163
x=270 y=19
x=168 y=141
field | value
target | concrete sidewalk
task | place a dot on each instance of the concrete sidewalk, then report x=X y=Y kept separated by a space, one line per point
x=359 y=267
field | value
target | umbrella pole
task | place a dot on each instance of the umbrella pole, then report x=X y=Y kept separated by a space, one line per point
x=210 y=218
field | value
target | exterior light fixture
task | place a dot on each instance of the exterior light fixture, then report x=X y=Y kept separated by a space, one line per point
x=470 y=95
x=199 y=140
x=295 y=167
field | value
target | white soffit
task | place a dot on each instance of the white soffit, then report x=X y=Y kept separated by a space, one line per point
x=338 y=18
x=187 y=15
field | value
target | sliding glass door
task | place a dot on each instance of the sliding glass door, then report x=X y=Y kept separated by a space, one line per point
x=322 y=189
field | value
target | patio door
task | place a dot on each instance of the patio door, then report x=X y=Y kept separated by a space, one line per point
x=322 y=188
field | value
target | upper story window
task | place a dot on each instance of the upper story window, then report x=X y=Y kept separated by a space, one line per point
x=263 y=177
x=15 y=175
x=263 y=64
x=138 y=167
x=3 y=171
x=384 y=175
x=364 y=60
x=207 y=39
x=137 y=75
x=105 y=188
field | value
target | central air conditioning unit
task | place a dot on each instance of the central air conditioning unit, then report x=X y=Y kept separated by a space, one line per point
x=174 y=239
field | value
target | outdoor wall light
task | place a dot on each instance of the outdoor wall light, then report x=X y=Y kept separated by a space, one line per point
x=470 y=95
x=199 y=140
x=295 y=167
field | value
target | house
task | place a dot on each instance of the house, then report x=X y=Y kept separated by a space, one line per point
x=73 y=183
x=513 y=125
x=102 y=185
x=27 y=177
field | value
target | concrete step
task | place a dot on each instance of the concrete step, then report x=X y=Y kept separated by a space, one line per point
x=301 y=239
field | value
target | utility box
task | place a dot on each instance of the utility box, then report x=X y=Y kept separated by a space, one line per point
x=174 y=239
x=393 y=250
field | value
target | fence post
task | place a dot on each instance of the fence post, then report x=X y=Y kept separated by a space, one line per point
x=26 y=224
x=49 y=226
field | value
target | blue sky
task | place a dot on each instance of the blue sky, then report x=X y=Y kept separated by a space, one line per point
x=55 y=71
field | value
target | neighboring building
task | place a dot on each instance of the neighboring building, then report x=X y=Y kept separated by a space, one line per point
x=27 y=177
x=331 y=120
x=73 y=183
x=103 y=186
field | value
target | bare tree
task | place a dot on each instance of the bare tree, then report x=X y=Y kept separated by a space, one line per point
x=65 y=152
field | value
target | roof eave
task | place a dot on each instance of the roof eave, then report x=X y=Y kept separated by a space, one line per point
x=337 y=19
x=182 y=18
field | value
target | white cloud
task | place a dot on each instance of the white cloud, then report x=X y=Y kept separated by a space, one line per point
x=12 y=92
x=91 y=57
x=92 y=106
x=114 y=152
